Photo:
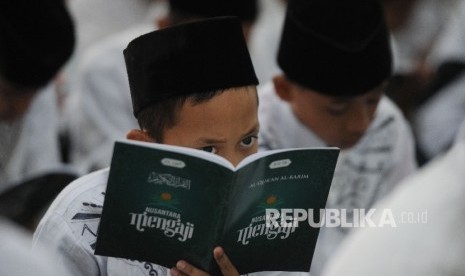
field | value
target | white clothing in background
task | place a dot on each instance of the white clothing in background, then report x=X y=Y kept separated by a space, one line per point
x=434 y=244
x=460 y=133
x=99 y=109
x=437 y=121
x=413 y=43
x=96 y=19
x=264 y=39
x=17 y=257
x=450 y=44
x=364 y=174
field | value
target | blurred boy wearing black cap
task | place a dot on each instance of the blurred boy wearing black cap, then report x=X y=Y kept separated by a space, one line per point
x=99 y=109
x=191 y=85
x=336 y=60
x=36 y=40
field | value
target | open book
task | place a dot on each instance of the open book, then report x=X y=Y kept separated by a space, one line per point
x=166 y=203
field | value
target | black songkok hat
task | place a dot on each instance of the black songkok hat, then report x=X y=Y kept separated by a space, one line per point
x=335 y=47
x=186 y=59
x=36 y=39
x=246 y=10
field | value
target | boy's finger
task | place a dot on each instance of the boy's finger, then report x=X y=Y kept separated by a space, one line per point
x=175 y=272
x=187 y=269
x=226 y=267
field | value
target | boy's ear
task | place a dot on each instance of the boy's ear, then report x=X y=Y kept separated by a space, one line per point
x=283 y=87
x=138 y=135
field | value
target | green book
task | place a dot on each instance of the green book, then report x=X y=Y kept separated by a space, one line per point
x=167 y=203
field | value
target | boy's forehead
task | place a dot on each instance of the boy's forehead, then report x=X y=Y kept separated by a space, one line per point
x=376 y=91
x=226 y=116
x=234 y=92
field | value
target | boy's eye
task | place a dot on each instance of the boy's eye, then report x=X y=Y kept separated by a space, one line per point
x=336 y=112
x=337 y=109
x=373 y=102
x=249 y=141
x=210 y=149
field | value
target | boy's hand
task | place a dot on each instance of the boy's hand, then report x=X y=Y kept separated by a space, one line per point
x=226 y=267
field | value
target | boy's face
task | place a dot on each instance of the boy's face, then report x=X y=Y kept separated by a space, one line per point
x=14 y=101
x=339 y=121
x=226 y=125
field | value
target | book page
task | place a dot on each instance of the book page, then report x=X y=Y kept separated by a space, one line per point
x=289 y=180
x=184 y=150
x=251 y=158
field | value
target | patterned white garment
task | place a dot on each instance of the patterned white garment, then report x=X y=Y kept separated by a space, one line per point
x=70 y=228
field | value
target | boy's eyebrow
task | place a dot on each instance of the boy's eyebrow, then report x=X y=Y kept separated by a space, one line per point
x=341 y=100
x=206 y=140
x=378 y=93
x=255 y=128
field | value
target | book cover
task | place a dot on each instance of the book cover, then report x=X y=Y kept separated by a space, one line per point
x=166 y=203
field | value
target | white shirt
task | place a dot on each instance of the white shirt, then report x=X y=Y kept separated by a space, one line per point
x=264 y=39
x=437 y=121
x=451 y=42
x=17 y=257
x=95 y=20
x=364 y=174
x=433 y=245
x=412 y=43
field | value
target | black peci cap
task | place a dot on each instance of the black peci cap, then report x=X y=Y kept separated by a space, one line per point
x=37 y=38
x=197 y=57
x=245 y=10
x=335 y=47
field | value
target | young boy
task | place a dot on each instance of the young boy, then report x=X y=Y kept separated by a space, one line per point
x=36 y=40
x=336 y=60
x=191 y=85
x=431 y=242
x=100 y=83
